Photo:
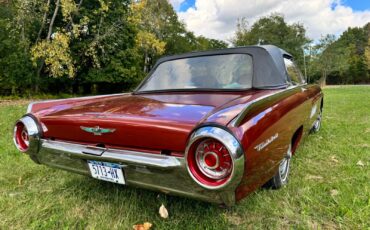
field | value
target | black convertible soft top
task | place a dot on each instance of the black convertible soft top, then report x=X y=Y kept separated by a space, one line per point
x=269 y=70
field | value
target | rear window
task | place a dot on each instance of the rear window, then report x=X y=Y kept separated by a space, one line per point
x=230 y=71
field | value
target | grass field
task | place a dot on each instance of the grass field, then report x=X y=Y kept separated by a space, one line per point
x=329 y=185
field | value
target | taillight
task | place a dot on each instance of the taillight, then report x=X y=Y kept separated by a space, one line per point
x=26 y=135
x=215 y=160
x=210 y=162
x=21 y=137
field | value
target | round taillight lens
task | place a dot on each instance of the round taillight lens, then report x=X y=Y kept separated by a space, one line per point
x=210 y=162
x=213 y=159
x=21 y=137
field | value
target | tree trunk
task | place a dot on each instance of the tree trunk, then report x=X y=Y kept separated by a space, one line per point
x=146 y=60
x=14 y=90
x=43 y=21
x=322 y=80
x=23 y=37
x=94 y=89
x=57 y=5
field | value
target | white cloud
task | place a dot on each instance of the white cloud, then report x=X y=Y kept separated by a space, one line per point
x=217 y=18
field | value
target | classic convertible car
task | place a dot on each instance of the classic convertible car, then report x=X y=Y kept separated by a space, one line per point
x=213 y=125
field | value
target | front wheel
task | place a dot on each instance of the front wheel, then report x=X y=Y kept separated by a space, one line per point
x=281 y=177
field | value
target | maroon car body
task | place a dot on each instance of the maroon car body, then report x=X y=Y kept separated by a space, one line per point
x=212 y=144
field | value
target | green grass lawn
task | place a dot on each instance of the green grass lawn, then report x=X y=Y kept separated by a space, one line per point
x=329 y=185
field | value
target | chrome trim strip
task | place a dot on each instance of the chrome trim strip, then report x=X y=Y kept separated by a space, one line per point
x=262 y=100
x=29 y=107
x=113 y=155
x=232 y=145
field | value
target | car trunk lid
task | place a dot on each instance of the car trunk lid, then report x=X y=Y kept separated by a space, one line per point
x=150 y=121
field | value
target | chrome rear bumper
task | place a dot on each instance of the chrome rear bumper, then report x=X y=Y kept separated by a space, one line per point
x=162 y=173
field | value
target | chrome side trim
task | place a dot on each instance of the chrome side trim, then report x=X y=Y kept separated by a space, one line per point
x=262 y=100
x=29 y=107
x=234 y=148
x=113 y=155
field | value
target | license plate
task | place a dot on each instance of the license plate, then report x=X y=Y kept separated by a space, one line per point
x=106 y=171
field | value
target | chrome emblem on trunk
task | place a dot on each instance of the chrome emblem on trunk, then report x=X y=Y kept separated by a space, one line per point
x=97 y=131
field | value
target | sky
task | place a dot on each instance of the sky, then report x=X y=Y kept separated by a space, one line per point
x=217 y=18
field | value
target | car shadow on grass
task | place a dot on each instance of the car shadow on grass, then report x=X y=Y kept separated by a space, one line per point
x=141 y=204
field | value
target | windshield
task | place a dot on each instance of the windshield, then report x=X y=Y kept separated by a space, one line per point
x=231 y=71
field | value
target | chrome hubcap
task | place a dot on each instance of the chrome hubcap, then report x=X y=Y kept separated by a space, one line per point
x=318 y=123
x=284 y=164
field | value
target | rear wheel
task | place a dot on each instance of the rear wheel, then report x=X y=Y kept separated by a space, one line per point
x=281 y=177
x=317 y=125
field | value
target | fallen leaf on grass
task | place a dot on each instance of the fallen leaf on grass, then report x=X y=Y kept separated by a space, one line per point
x=145 y=226
x=163 y=212
x=13 y=194
x=334 y=159
x=313 y=177
x=234 y=219
x=360 y=163
x=334 y=192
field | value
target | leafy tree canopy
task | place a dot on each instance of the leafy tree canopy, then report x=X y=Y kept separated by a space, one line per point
x=93 y=46
x=273 y=30
x=107 y=46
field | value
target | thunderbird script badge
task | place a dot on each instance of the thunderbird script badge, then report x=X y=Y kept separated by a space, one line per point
x=97 y=131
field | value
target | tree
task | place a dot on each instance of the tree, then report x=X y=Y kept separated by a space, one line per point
x=325 y=57
x=272 y=30
x=161 y=32
x=18 y=20
x=343 y=60
x=95 y=46
x=367 y=55
x=106 y=52
x=149 y=38
x=356 y=40
x=90 y=42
